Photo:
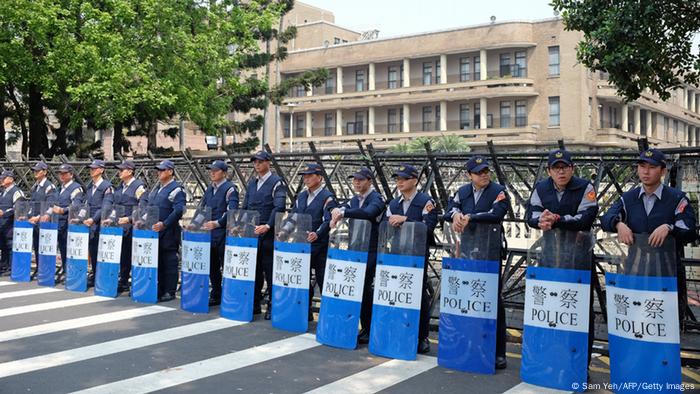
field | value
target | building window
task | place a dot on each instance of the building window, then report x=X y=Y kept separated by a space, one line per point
x=299 y=125
x=427 y=118
x=330 y=84
x=300 y=91
x=612 y=118
x=464 y=69
x=505 y=114
x=391 y=125
x=554 y=60
x=393 y=77
x=359 y=80
x=554 y=111
x=643 y=122
x=437 y=72
x=464 y=116
x=328 y=125
x=437 y=117
x=360 y=122
x=427 y=73
x=601 y=116
x=336 y=40
x=630 y=119
x=504 y=63
x=489 y=121
x=521 y=113
x=477 y=68
x=287 y=123
x=401 y=119
x=477 y=116
x=520 y=70
x=401 y=75
x=675 y=129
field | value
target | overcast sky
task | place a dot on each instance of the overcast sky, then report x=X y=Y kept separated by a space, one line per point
x=397 y=17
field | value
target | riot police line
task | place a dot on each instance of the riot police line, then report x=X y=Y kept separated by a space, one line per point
x=370 y=258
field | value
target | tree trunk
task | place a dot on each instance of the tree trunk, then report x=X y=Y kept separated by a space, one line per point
x=152 y=132
x=117 y=141
x=3 y=142
x=37 y=125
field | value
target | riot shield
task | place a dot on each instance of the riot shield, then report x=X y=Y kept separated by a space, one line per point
x=47 y=246
x=109 y=251
x=643 y=320
x=240 y=260
x=196 y=259
x=144 y=259
x=341 y=296
x=291 y=272
x=469 y=299
x=77 y=248
x=556 y=316
x=398 y=288
x=22 y=241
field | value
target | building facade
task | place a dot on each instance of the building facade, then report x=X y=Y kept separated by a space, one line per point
x=516 y=83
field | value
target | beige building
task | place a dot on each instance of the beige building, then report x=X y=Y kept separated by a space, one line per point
x=516 y=83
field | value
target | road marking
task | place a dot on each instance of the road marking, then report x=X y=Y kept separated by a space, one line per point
x=23 y=293
x=18 y=310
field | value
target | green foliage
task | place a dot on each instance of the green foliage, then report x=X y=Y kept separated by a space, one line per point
x=443 y=143
x=640 y=44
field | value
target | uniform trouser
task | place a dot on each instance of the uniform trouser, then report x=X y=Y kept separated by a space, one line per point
x=62 y=246
x=35 y=247
x=368 y=291
x=218 y=248
x=93 y=244
x=424 y=325
x=263 y=267
x=125 y=261
x=682 y=290
x=167 y=270
x=591 y=313
x=318 y=264
x=500 y=322
x=5 y=249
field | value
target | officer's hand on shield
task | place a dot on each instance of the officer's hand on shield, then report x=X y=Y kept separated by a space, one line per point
x=658 y=236
x=312 y=237
x=282 y=234
x=336 y=215
x=397 y=220
x=88 y=222
x=34 y=219
x=1 y=213
x=158 y=227
x=44 y=218
x=57 y=210
x=457 y=225
x=624 y=234
x=261 y=229
x=210 y=225
x=123 y=220
x=107 y=222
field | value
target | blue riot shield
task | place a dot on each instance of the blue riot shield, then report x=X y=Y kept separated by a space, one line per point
x=144 y=255
x=291 y=272
x=77 y=248
x=643 y=320
x=48 y=246
x=398 y=288
x=109 y=251
x=22 y=241
x=196 y=259
x=341 y=296
x=556 y=316
x=469 y=298
x=240 y=259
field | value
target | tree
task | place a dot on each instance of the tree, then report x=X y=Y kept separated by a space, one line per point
x=442 y=144
x=640 y=44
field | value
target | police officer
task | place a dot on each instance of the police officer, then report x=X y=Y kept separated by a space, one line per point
x=130 y=193
x=482 y=201
x=43 y=192
x=415 y=206
x=70 y=193
x=10 y=195
x=169 y=197
x=566 y=202
x=220 y=196
x=99 y=192
x=655 y=209
x=369 y=205
x=265 y=193
x=317 y=201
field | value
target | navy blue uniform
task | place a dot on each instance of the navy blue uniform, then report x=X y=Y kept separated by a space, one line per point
x=96 y=197
x=8 y=198
x=370 y=209
x=490 y=206
x=220 y=200
x=422 y=209
x=319 y=209
x=267 y=200
x=129 y=197
x=170 y=200
x=69 y=194
x=672 y=208
x=42 y=192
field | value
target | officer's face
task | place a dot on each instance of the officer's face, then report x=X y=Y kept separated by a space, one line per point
x=65 y=177
x=261 y=166
x=406 y=184
x=125 y=174
x=40 y=174
x=95 y=172
x=649 y=174
x=312 y=180
x=561 y=174
x=216 y=175
x=165 y=175
x=481 y=179
x=7 y=181
x=361 y=185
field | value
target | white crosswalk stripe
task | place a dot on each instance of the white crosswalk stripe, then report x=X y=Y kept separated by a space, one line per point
x=24 y=293
x=526 y=388
x=378 y=378
x=46 y=306
x=55 y=327
x=112 y=347
x=7 y=283
x=201 y=369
